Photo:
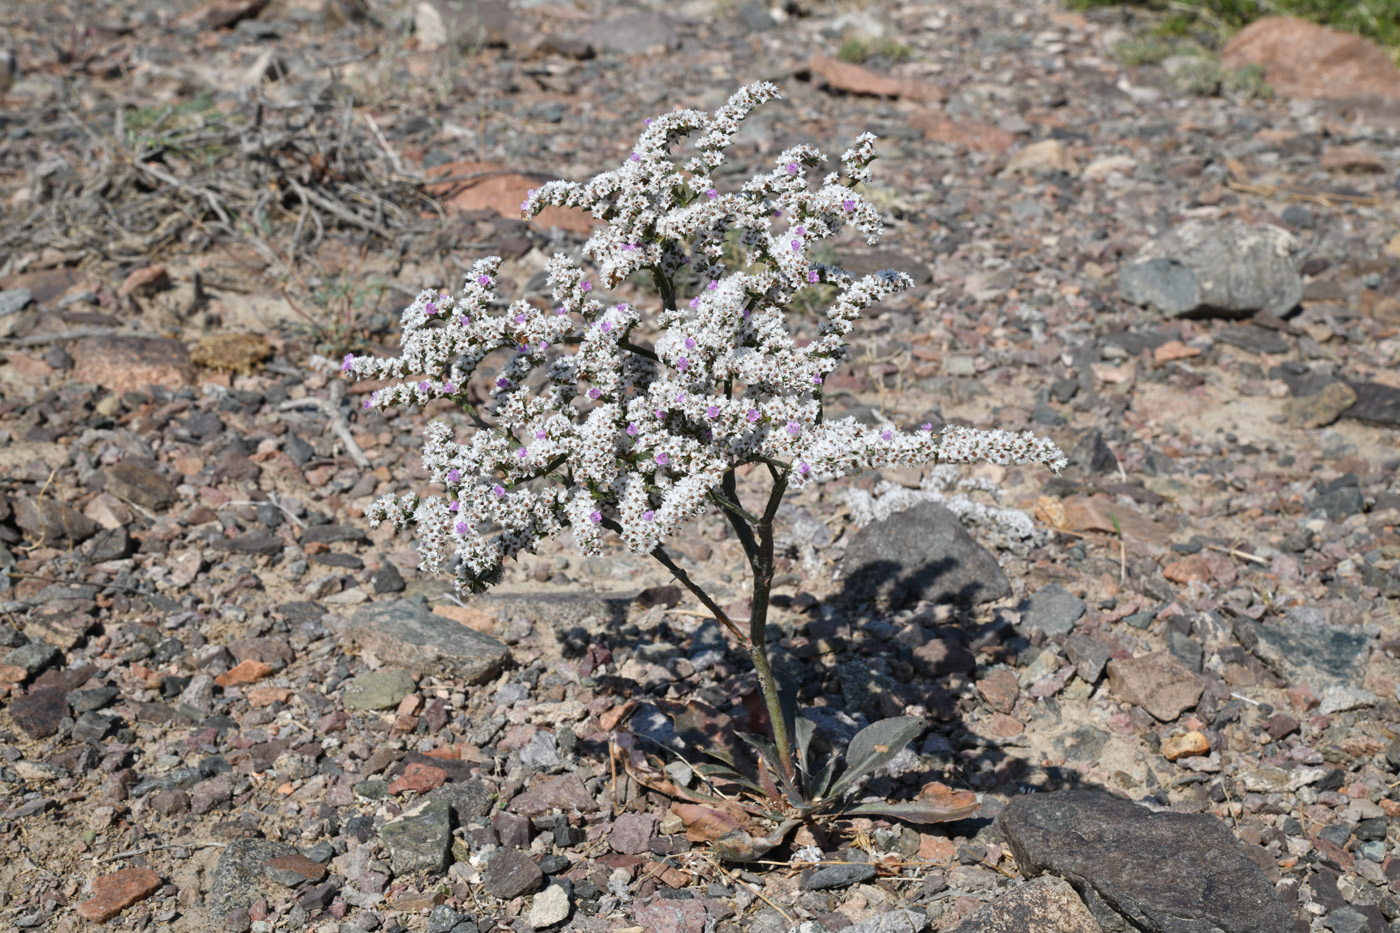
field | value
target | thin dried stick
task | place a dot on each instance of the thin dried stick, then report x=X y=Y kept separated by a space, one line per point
x=338 y=424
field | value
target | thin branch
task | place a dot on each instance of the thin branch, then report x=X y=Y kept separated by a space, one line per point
x=660 y=554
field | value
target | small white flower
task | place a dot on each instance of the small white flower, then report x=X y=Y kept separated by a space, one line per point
x=581 y=427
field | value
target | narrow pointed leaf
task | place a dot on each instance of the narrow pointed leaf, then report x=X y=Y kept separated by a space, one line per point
x=803 y=730
x=874 y=746
x=769 y=753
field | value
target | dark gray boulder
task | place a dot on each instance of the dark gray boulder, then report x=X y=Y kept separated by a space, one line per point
x=1206 y=267
x=922 y=553
x=1138 y=870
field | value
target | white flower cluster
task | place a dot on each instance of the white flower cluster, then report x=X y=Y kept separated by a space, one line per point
x=588 y=430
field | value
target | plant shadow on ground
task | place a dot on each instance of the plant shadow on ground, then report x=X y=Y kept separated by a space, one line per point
x=669 y=727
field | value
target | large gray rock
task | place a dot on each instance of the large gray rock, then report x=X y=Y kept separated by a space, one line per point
x=1304 y=648
x=406 y=635
x=421 y=839
x=1225 y=268
x=1138 y=870
x=922 y=553
x=1042 y=905
x=240 y=877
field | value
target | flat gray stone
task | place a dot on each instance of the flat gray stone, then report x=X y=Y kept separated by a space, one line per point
x=1041 y=905
x=922 y=553
x=239 y=877
x=13 y=300
x=1226 y=268
x=407 y=635
x=379 y=690
x=1376 y=403
x=421 y=840
x=1052 y=609
x=1160 y=872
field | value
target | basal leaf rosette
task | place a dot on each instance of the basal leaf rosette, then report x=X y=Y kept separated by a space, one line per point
x=584 y=427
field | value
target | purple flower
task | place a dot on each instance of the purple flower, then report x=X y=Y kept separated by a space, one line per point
x=585 y=286
x=606 y=326
x=499 y=490
x=680 y=398
x=454 y=506
x=466 y=320
x=595 y=393
x=544 y=345
x=634 y=157
x=366 y=404
x=689 y=344
x=595 y=516
x=817 y=379
x=661 y=414
x=483 y=280
x=520 y=318
x=848 y=205
x=628 y=247
x=523 y=348
x=695 y=302
x=794 y=428
x=524 y=206
x=522 y=453
x=712 y=411
x=803 y=468
x=632 y=429
x=648 y=121
x=461 y=528
x=682 y=364
x=814 y=277
x=648 y=515
x=777 y=213
x=662 y=458
x=502 y=382
x=792 y=168
x=926 y=427
x=430 y=308
x=453 y=476
x=714 y=284
x=348 y=363
x=753 y=414
x=796 y=246
x=561 y=311
x=540 y=435
x=711 y=193
x=886 y=434
x=424 y=386
x=449 y=388
x=801 y=230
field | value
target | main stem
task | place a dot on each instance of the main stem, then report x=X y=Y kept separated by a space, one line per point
x=759 y=550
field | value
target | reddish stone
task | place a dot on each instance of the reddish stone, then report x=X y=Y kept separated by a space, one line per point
x=1303 y=60
x=144 y=281
x=1157 y=682
x=999 y=689
x=418 y=777
x=115 y=892
x=246 y=672
x=1187 y=569
x=970 y=134
x=855 y=79
x=132 y=364
x=295 y=867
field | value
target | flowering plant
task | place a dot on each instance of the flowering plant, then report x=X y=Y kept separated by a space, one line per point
x=587 y=427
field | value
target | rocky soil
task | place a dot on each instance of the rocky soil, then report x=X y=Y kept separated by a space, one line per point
x=1169 y=674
